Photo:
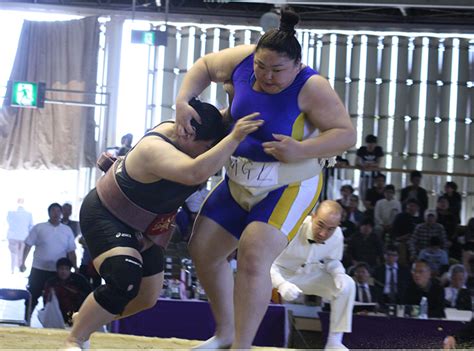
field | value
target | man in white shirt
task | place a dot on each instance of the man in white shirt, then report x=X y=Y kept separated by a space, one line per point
x=52 y=240
x=385 y=211
x=311 y=264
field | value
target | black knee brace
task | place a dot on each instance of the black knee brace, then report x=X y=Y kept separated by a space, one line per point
x=122 y=275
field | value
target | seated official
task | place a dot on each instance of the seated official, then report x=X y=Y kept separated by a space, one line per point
x=390 y=278
x=456 y=295
x=423 y=285
x=364 y=292
x=311 y=264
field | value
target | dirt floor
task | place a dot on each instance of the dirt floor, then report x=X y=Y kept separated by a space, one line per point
x=52 y=339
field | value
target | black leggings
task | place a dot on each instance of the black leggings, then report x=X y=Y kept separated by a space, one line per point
x=36 y=281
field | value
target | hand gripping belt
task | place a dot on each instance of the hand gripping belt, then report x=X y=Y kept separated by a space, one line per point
x=115 y=200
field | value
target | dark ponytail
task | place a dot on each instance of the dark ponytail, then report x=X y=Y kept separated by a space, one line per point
x=283 y=40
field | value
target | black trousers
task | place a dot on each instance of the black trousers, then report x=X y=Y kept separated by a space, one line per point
x=36 y=281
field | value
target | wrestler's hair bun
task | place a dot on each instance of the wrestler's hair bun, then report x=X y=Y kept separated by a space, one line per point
x=288 y=20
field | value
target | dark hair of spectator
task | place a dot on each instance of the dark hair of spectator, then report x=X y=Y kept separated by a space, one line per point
x=413 y=201
x=442 y=197
x=53 y=205
x=389 y=187
x=64 y=261
x=380 y=175
x=425 y=262
x=452 y=185
x=367 y=221
x=212 y=126
x=348 y=187
x=415 y=174
x=361 y=265
x=371 y=139
x=283 y=40
x=391 y=248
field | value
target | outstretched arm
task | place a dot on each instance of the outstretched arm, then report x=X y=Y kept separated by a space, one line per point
x=162 y=160
x=215 y=67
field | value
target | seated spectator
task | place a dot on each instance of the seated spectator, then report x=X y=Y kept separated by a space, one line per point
x=415 y=192
x=353 y=212
x=454 y=198
x=365 y=246
x=420 y=239
x=390 y=278
x=423 y=285
x=403 y=227
x=456 y=295
x=364 y=292
x=385 y=211
x=348 y=228
x=346 y=192
x=374 y=194
x=126 y=142
x=71 y=289
x=446 y=217
x=468 y=246
x=369 y=158
x=436 y=257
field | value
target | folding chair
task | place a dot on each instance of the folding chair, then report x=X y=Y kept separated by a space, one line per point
x=15 y=295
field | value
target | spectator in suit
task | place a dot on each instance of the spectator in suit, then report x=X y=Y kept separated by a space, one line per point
x=423 y=285
x=415 y=191
x=52 y=240
x=385 y=211
x=348 y=228
x=365 y=245
x=353 y=212
x=71 y=289
x=74 y=225
x=364 y=292
x=454 y=198
x=436 y=257
x=420 y=239
x=456 y=295
x=391 y=279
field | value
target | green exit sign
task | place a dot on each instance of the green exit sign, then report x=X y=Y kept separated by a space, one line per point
x=150 y=37
x=26 y=94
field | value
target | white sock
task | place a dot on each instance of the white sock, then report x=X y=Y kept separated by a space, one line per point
x=334 y=338
x=212 y=343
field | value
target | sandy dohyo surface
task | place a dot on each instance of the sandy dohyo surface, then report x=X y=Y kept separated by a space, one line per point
x=52 y=339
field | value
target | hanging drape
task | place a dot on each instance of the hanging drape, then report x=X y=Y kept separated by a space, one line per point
x=59 y=136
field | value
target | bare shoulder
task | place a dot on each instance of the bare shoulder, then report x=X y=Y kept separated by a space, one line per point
x=316 y=90
x=321 y=104
x=221 y=64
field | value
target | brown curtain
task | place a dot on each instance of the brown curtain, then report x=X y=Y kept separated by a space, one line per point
x=59 y=136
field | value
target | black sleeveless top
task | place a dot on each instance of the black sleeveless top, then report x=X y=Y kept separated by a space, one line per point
x=163 y=196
